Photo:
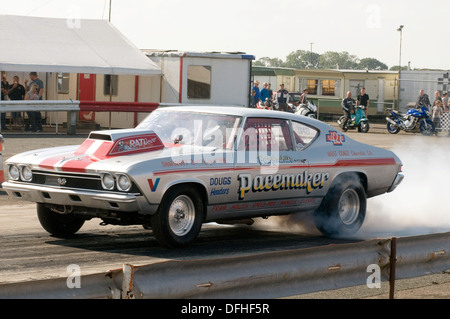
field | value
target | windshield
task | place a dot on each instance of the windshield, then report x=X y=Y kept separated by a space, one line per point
x=192 y=128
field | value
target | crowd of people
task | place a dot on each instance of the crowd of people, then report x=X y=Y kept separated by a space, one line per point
x=32 y=89
x=266 y=98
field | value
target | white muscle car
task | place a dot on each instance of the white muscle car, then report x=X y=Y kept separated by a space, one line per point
x=184 y=166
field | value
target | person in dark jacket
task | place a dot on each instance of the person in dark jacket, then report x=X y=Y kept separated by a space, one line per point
x=348 y=106
x=422 y=100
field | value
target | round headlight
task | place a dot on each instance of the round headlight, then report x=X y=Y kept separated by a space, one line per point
x=26 y=174
x=14 y=172
x=107 y=181
x=123 y=183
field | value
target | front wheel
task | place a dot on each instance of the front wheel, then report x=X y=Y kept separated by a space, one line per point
x=364 y=127
x=426 y=127
x=179 y=217
x=59 y=225
x=392 y=128
x=343 y=209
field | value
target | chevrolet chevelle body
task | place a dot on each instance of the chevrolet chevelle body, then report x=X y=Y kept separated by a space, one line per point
x=184 y=166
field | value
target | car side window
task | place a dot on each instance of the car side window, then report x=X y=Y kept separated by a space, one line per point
x=303 y=135
x=266 y=134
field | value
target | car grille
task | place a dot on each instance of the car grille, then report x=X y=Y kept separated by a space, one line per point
x=70 y=180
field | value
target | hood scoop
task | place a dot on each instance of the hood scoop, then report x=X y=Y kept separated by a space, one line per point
x=104 y=144
x=101 y=145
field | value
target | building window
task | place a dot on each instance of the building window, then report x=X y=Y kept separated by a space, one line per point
x=63 y=83
x=199 y=82
x=356 y=86
x=111 y=84
x=328 y=87
x=312 y=86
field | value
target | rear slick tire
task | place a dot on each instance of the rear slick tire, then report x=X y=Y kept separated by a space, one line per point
x=343 y=209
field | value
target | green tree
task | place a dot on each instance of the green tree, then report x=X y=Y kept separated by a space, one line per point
x=338 y=60
x=269 y=62
x=371 y=64
x=302 y=59
x=395 y=68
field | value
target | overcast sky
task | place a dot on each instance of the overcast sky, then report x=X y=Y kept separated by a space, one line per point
x=365 y=28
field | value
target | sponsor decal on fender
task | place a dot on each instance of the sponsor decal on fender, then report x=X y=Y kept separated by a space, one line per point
x=274 y=182
x=153 y=186
x=335 y=138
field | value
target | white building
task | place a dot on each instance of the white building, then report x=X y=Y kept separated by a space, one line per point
x=204 y=78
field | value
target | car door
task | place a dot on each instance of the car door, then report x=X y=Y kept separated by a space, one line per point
x=271 y=171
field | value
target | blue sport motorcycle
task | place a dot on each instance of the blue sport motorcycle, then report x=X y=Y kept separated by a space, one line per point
x=409 y=121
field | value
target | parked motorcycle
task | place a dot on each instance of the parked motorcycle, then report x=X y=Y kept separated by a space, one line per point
x=266 y=105
x=408 y=122
x=358 y=121
x=307 y=109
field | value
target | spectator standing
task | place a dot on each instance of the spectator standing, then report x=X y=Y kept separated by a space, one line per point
x=282 y=98
x=265 y=94
x=445 y=102
x=36 y=115
x=304 y=97
x=4 y=90
x=422 y=100
x=269 y=87
x=32 y=94
x=436 y=115
x=256 y=94
x=363 y=99
x=437 y=97
x=16 y=92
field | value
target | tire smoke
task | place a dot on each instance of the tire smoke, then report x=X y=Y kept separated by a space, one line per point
x=421 y=203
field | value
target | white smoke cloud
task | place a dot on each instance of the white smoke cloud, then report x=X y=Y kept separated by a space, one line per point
x=421 y=203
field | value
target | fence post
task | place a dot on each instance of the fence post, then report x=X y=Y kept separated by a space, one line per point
x=72 y=122
x=2 y=175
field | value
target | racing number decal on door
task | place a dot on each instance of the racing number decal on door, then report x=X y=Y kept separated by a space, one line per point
x=153 y=186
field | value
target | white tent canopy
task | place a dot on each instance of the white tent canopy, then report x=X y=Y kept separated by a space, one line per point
x=67 y=45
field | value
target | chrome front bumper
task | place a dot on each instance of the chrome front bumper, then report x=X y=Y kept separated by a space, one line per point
x=76 y=197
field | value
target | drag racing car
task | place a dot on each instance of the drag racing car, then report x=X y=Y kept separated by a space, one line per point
x=185 y=166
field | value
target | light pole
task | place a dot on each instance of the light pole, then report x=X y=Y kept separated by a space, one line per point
x=400 y=28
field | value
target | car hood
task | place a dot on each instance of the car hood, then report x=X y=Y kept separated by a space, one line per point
x=98 y=148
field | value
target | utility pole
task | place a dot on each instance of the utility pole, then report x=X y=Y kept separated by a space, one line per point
x=310 y=54
x=109 y=19
x=399 y=65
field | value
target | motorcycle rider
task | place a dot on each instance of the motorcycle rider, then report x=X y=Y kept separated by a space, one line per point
x=422 y=100
x=348 y=106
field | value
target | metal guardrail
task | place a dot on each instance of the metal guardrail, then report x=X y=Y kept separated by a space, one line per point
x=69 y=106
x=72 y=107
x=269 y=275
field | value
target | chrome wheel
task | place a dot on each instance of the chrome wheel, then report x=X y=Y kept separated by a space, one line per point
x=349 y=206
x=181 y=215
